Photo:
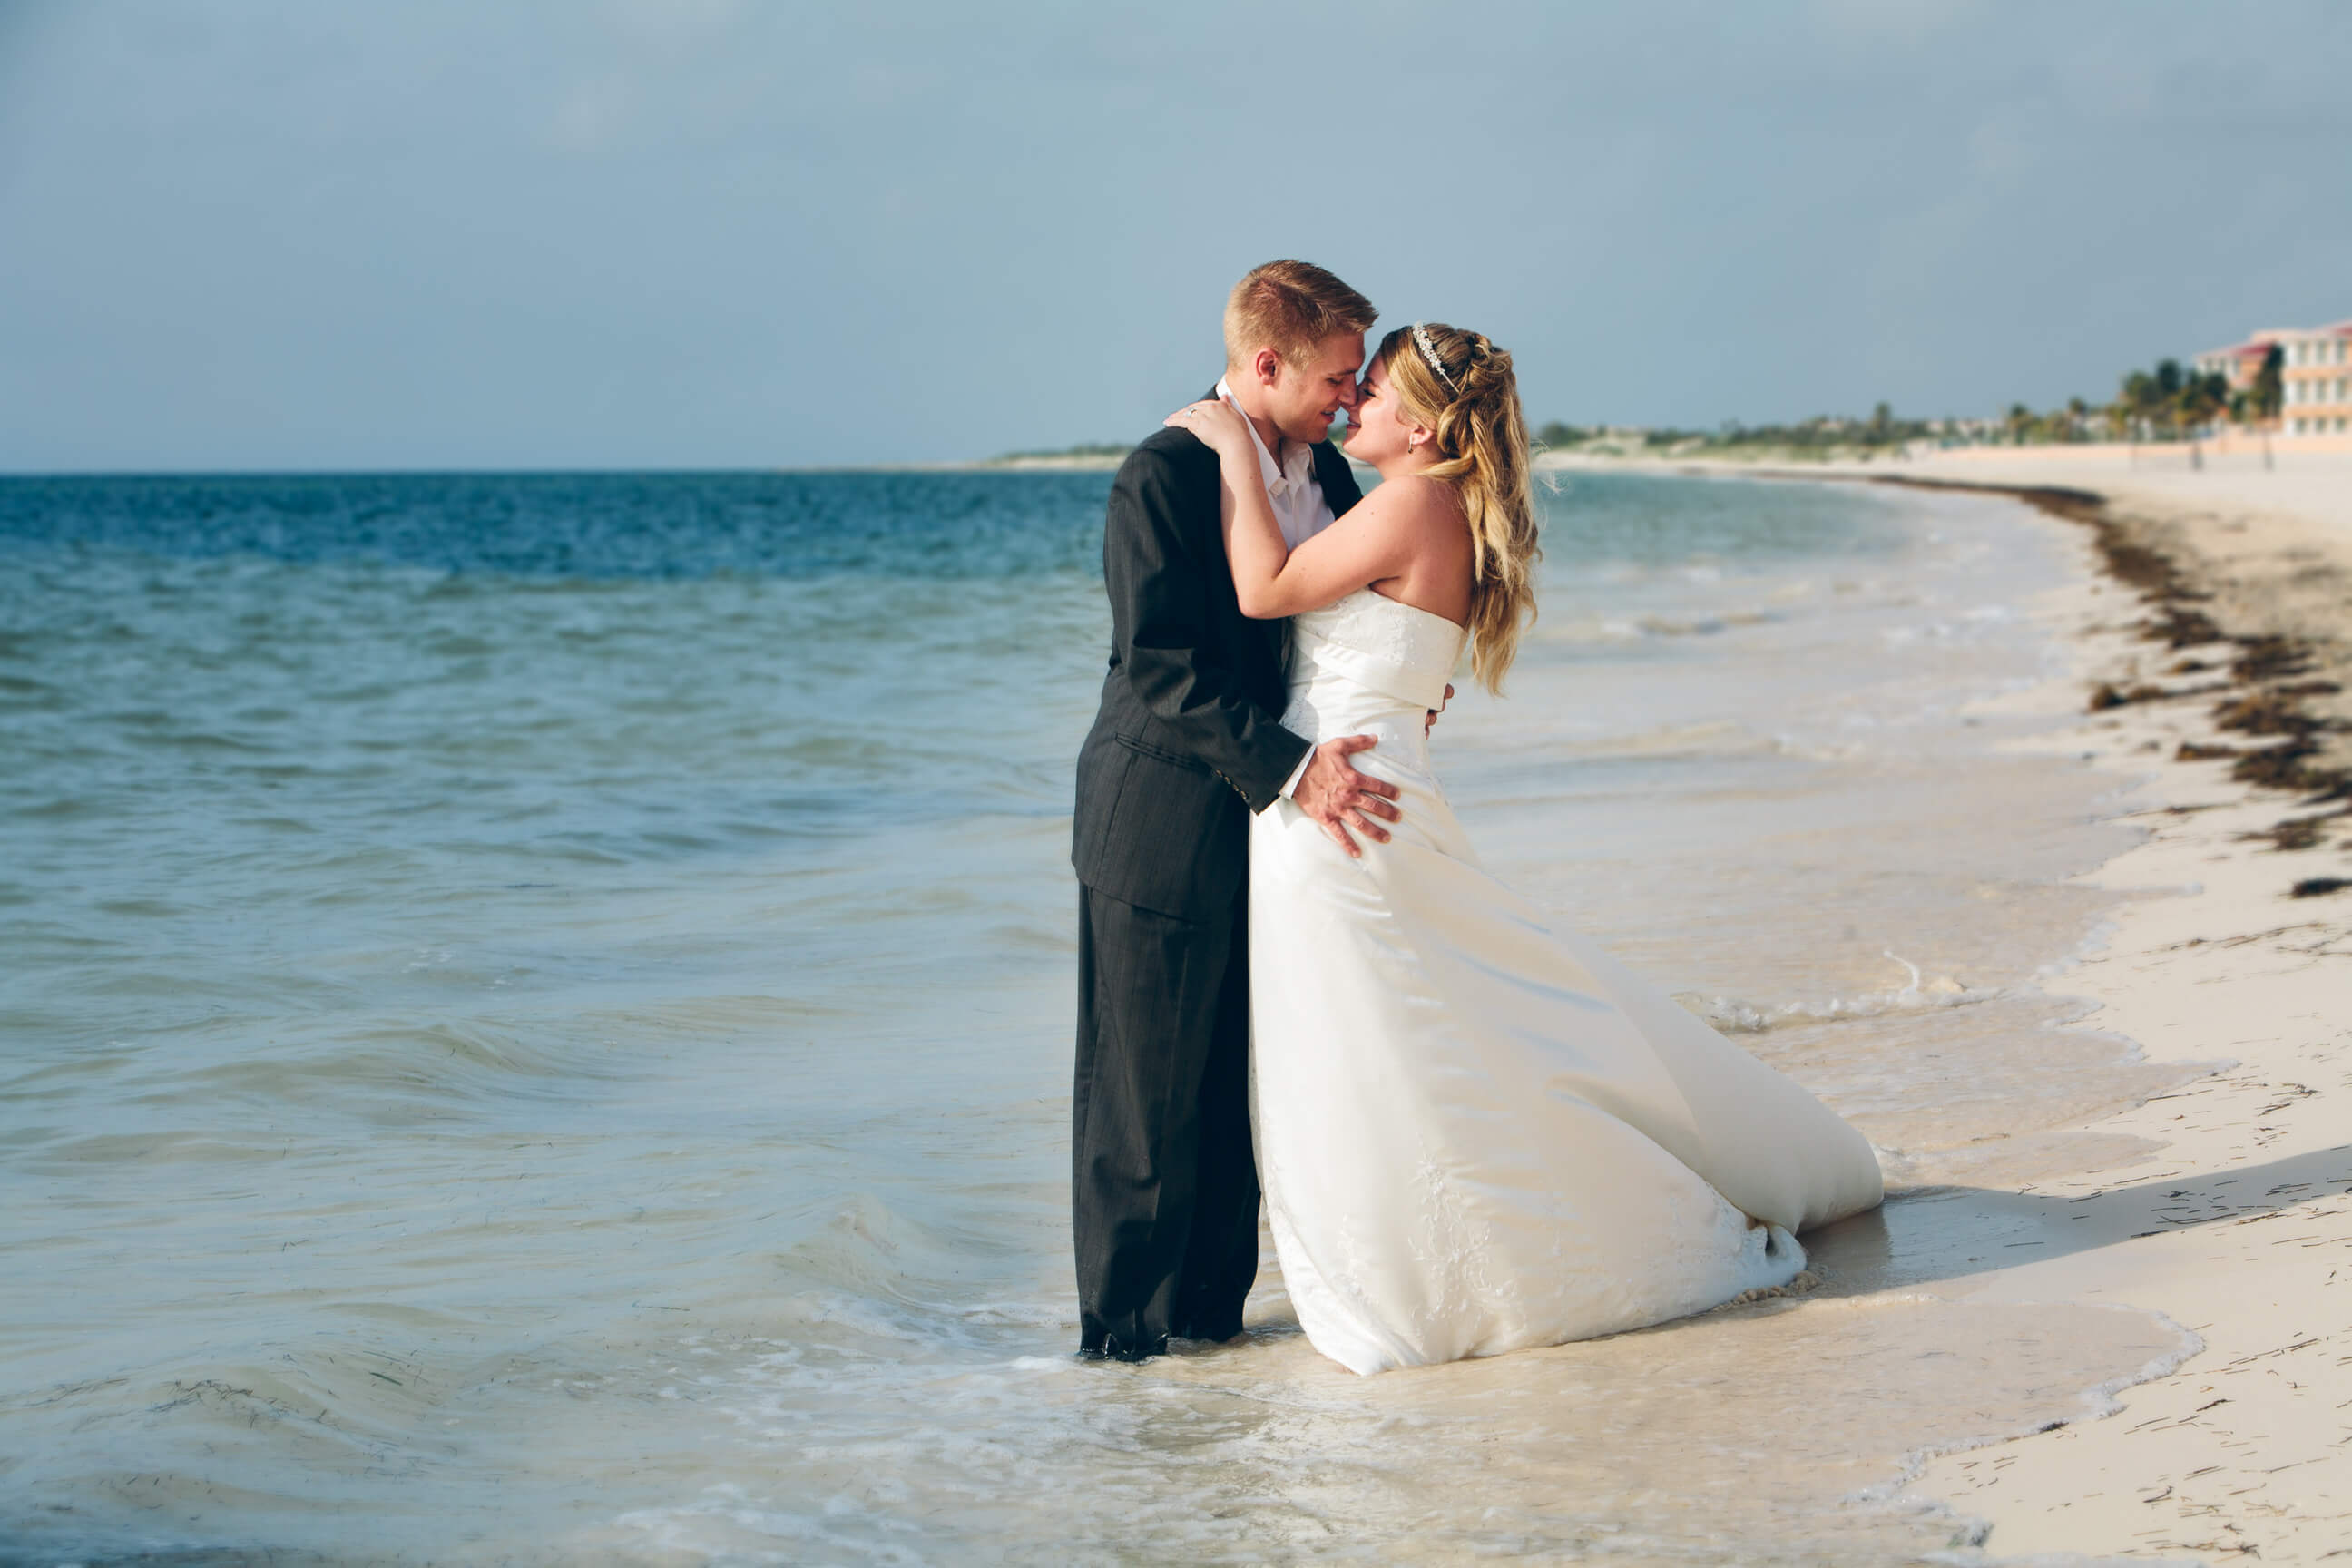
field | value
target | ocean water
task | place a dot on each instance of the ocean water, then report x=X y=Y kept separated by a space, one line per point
x=535 y=1012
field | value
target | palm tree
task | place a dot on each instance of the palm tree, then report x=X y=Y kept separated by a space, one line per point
x=2200 y=398
x=2270 y=388
x=2137 y=405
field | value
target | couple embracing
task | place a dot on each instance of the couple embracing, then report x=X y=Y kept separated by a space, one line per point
x=1472 y=1131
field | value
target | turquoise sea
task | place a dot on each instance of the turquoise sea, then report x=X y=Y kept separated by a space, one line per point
x=534 y=1025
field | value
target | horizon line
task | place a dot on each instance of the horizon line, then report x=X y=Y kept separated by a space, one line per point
x=942 y=465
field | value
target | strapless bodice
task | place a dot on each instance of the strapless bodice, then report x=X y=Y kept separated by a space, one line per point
x=1364 y=649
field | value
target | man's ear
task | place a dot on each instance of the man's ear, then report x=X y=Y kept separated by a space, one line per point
x=1266 y=366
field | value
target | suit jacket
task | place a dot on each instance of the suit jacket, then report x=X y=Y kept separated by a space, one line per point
x=1186 y=744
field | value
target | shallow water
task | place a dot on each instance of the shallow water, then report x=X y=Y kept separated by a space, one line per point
x=534 y=1025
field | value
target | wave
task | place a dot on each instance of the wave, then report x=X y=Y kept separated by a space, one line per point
x=1737 y=1016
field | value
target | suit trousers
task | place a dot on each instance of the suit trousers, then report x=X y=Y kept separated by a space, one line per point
x=1164 y=1194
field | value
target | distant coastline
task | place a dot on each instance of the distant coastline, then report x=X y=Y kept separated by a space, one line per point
x=2279 y=393
x=1088 y=455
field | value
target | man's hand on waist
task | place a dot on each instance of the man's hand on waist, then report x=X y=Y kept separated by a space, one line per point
x=1339 y=797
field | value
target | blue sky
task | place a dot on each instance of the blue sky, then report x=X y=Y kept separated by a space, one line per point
x=596 y=234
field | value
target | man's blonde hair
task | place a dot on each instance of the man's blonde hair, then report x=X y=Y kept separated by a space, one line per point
x=1291 y=307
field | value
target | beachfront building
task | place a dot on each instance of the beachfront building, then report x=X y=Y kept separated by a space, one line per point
x=2315 y=378
x=2238 y=364
x=2315 y=385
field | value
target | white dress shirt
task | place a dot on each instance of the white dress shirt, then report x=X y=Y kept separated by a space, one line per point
x=1300 y=509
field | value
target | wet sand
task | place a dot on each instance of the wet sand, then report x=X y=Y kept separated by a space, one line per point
x=2215 y=646
x=2238 y=1227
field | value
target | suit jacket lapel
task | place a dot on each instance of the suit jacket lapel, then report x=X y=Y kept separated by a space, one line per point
x=1341 y=490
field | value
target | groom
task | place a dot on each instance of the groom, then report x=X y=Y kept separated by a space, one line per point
x=1165 y=1193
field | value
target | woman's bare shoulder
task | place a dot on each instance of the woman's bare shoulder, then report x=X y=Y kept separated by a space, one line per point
x=1412 y=498
x=1426 y=511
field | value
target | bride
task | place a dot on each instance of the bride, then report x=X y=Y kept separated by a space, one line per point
x=1476 y=1131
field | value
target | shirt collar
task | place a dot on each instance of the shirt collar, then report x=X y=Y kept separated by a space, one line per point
x=1297 y=462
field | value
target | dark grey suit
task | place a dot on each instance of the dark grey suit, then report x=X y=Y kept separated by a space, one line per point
x=1164 y=1191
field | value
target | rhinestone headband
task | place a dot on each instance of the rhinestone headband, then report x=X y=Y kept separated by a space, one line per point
x=1429 y=356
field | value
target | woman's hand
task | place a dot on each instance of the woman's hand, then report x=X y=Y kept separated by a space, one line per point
x=1219 y=425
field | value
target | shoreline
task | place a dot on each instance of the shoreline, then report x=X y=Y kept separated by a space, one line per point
x=2213 y=642
x=2291 y=711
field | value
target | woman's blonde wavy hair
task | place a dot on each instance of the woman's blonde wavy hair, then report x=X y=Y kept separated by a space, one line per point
x=1482 y=446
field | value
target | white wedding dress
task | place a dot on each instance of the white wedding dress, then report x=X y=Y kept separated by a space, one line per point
x=1477 y=1132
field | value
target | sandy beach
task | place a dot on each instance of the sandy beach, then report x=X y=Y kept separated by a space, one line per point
x=2214 y=629
x=2234 y=1223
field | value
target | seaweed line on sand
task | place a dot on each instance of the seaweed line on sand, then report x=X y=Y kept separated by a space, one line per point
x=2265 y=690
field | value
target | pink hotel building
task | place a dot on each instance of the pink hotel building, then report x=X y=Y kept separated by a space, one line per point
x=2315 y=379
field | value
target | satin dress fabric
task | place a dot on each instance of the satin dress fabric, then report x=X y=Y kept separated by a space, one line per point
x=1477 y=1132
